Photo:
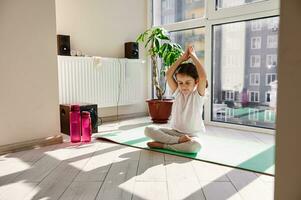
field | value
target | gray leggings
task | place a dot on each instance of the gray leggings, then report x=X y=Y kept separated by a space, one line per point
x=170 y=139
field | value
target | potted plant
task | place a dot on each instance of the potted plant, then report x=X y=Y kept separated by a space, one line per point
x=159 y=45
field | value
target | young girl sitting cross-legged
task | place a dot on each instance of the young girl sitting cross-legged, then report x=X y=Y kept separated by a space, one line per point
x=188 y=82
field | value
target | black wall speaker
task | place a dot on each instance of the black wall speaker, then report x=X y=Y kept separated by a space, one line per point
x=131 y=50
x=63 y=45
x=64 y=116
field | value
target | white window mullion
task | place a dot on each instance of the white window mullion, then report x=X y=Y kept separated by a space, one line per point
x=243 y=17
x=251 y=8
x=208 y=68
x=189 y=24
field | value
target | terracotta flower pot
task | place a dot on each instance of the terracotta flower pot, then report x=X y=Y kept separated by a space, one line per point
x=160 y=110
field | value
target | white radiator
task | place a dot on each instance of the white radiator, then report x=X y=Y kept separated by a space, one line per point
x=102 y=81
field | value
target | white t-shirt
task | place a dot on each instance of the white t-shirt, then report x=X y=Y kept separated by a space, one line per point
x=186 y=115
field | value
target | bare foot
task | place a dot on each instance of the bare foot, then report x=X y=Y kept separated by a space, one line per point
x=155 y=144
x=184 y=138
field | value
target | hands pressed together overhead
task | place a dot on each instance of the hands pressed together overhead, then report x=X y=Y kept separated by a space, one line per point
x=189 y=52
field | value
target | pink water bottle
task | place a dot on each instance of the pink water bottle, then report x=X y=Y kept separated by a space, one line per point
x=75 y=123
x=86 y=126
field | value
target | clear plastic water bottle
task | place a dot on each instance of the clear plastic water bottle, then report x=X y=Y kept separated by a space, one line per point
x=75 y=123
x=86 y=126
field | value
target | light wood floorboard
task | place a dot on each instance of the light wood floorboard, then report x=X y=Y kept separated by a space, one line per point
x=104 y=170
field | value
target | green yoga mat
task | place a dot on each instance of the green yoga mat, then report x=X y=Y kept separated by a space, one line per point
x=238 y=153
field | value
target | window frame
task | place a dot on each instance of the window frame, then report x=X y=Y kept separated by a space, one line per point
x=254 y=75
x=273 y=45
x=268 y=113
x=254 y=92
x=229 y=112
x=256 y=111
x=272 y=56
x=255 y=27
x=231 y=94
x=252 y=11
x=266 y=78
x=258 y=42
x=266 y=95
x=255 y=56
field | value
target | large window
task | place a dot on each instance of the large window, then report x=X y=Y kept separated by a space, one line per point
x=243 y=77
x=236 y=41
x=171 y=11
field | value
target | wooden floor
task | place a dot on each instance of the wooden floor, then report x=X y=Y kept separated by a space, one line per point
x=102 y=170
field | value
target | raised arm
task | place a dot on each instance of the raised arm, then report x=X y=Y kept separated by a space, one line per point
x=200 y=69
x=170 y=72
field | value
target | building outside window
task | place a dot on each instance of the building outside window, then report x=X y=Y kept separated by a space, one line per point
x=180 y=10
x=237 y=67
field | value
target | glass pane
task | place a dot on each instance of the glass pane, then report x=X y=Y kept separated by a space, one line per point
x=194 y=37
x=237 y=69
x=170 y=11
x=232 y=3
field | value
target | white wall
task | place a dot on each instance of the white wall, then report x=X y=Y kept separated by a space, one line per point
x=28 y=71
x=288 y=134
x=100 y=28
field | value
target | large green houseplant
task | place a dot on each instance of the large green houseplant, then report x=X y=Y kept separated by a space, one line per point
x=159 y=45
